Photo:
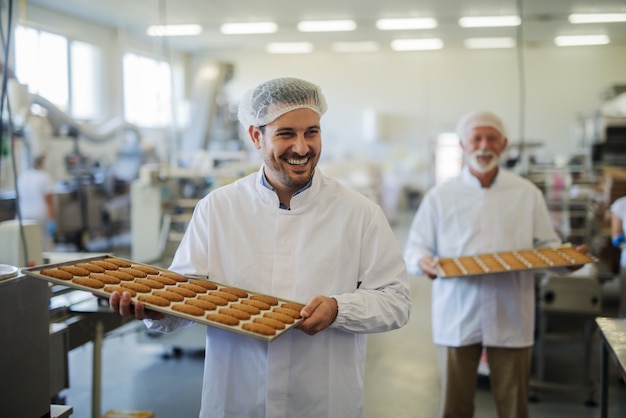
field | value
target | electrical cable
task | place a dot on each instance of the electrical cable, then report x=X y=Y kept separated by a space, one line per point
x=521 y=86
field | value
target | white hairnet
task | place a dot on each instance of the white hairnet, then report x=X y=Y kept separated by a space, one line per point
x=271 y=99
x=479 y=119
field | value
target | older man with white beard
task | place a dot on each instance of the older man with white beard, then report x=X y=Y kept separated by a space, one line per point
x=486 y=209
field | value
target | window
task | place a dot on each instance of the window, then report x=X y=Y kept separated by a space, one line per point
x=147 y=91
x=448 y=157
x=43 y=61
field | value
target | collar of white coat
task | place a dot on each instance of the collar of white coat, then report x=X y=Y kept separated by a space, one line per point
x=297 y=200
x=473 y=181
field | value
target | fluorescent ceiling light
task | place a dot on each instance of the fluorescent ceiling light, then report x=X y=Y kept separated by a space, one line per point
x=289 y=47
x=326 y=25
x=248 y=28
x=489 y=43
x=416 y=44
x=578 y=40
x=409 y=23
x=489 y=21
x=174 y=30
x=366 y=46
x=597 y=17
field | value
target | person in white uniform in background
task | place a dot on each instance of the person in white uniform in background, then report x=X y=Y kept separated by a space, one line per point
x=36 y=191
x=618 y=218
x=290 y=232
x=486 y=209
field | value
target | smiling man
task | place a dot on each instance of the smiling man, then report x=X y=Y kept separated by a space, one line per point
x=290 y=232
x=484 y=210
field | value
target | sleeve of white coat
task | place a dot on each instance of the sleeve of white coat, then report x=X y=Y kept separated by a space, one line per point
x=382 y=302
x=543 y=230
x=188 y=259
x=421 y=240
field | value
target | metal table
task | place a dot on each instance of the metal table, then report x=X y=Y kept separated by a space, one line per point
x=613 y=335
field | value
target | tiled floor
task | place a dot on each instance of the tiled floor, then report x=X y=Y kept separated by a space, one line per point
x=401 y=375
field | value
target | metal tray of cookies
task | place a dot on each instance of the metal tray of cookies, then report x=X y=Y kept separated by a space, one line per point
x=508 y=261
x=190 y=297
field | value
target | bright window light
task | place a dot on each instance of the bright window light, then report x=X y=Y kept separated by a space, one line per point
x=597 y=17
x=86 y=63
x=489 y=21
x=289 y=48
x=147 y=91
x=326 y=25
x=41 y=64
x=248 y=28
x=489 y=43
x=581 y=40
x=174 y=30
x=406 y=24
x=366 y=46
x=416 y=44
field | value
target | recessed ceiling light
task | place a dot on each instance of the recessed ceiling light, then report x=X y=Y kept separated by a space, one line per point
x=416 y=44
x=248 y=28
x=408 y=23
x=579 y=40
x=366 y=46
x=489 y=43
x=289 y=48
x=597 y=17
x=174 y=30
x=326 y=25
x=489 y=21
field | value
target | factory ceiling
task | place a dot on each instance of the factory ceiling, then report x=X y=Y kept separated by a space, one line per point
x=542 y=20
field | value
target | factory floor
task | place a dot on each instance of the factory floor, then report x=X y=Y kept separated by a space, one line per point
x=401 y=374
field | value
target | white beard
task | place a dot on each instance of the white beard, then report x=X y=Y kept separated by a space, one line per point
x=477 y=165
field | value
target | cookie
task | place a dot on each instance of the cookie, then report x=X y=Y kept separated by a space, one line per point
x=204 y=304
x=117 y=261
x=252 y=310
x=279 y=316
x=188 y=309
x=193 y=287
x=256 y=303
x=145 y=269
x=137 y=287
x=264 y=298
x=181 y=291
x=171 y=296
x=213 y=299
x=86 y=281
x=134 y=272
x=237 y=313
x=204 y=283
x=274 y=323
x=175 y=276
x=287 y=311
x=105 y=264
x=222 y=319
x=57 y=274
x=151 y=283
x=105 y=278
x=228 y=296
x=259 y=329
x=120 y=289
x=76 y=271
x=237 y=292
x=161 y=279
x=91 y=267
x=154 y=300
x=295 y=306
x=120 y=275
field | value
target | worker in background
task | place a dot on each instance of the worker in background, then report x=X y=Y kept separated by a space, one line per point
x=618 y=217
x=36 y=202
x=290 y=232
x=485 y=209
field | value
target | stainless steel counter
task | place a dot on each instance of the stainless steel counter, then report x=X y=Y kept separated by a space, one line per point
x=613 y=334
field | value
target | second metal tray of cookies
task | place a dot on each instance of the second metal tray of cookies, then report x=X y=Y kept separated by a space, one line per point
x=502 y=262
x=190 y=297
